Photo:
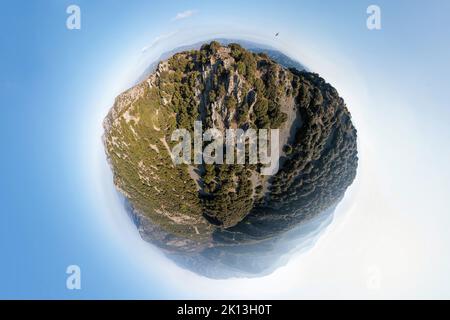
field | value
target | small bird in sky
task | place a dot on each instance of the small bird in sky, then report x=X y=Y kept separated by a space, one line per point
x=276 y=34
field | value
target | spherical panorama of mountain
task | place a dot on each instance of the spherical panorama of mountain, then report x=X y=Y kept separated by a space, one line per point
x=231 y=219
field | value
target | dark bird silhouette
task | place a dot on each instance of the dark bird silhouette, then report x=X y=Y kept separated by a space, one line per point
x=276 y=34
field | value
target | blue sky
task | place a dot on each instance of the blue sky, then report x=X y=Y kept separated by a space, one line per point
x=56 y=85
